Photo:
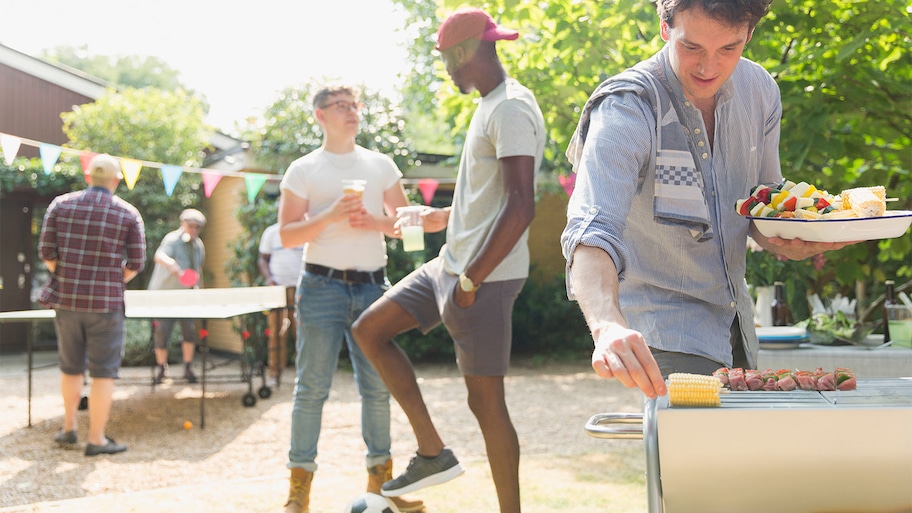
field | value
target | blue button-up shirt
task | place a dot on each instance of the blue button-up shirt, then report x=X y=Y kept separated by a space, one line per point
x=681 y=294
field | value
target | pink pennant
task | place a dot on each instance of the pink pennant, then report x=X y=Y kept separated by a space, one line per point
x=85 y=158
x=210 y=180
x=427 y=186
x=568 y=182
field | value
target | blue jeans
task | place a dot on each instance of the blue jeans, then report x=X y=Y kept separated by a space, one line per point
x=325 y=311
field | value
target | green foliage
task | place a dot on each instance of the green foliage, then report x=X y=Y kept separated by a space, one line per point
x=28 y=175
x=290 y=130
x=124 y=71
x=843 y=67
x=147 y=125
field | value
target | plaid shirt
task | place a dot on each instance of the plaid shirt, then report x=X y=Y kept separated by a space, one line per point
x=92 y=235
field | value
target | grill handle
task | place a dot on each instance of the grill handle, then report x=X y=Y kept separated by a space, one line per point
x=616 y=426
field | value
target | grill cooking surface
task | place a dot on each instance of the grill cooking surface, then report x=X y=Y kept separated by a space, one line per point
x=823 y=451
x=870 y=393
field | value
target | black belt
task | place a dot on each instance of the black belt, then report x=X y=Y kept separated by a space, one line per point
x=375 y=277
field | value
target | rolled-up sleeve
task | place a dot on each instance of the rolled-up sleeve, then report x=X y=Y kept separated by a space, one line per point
x=47 y=242
x=136 y=246
x=619 y=144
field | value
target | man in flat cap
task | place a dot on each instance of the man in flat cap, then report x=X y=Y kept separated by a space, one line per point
x=472 y=285
x=93 y=243
x=179 y=256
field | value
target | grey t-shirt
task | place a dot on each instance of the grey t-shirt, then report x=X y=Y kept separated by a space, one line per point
x=507 y=123
x=189 y=255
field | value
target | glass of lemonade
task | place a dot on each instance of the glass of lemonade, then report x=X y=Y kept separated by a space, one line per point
x=899 y=318
x=412 y=227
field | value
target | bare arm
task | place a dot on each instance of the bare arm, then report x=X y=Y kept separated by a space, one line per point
x=512 y=220
x=129 y=274
x=620 y=352
x=263 y=265
x=393 y=198
x=163 y=259
x=297 y=226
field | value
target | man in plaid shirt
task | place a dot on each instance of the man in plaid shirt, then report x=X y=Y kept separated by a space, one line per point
x=93 y=243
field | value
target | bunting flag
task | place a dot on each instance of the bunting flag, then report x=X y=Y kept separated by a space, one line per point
x=210 y=180
x=10 y=146
x=254 y=183
x=50 y=153
x=85 y=158
x=427 y=186
x=568 y=182
x=170 y=175
x=131 y=169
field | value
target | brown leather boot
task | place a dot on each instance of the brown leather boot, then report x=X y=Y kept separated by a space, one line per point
x=380 y=474
x=299 y=491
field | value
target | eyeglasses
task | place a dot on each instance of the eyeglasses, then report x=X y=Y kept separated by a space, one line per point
x=344 y=106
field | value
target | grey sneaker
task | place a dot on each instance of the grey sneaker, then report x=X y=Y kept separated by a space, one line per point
x=423 y=472
x=66 y=438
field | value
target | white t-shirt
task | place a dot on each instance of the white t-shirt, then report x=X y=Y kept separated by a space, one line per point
x=507 y=123
x=284 y=263
x=317 y=177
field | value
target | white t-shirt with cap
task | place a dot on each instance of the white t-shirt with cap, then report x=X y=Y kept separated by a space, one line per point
x=317 y=177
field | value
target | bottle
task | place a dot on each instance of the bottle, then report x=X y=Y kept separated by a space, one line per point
x=889 y=300
x=781 y=314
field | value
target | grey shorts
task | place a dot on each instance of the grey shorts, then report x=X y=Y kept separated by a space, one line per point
x=482 y=333
x=163 y=329
x=93 y=340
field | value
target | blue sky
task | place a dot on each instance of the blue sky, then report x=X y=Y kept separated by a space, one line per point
x=237 y=53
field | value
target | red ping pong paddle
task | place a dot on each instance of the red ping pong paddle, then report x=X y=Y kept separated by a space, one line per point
x=189 y=278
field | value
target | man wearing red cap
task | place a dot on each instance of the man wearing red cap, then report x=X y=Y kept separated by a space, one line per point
x=472 y=285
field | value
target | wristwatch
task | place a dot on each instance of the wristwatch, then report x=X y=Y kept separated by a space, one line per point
x=466 y=284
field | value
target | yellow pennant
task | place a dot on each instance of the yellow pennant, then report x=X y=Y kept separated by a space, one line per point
x=131 y=169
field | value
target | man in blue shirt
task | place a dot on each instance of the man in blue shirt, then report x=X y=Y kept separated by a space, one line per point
x=655 y=250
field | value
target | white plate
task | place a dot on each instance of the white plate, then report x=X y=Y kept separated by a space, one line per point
x=891 y=224
x=781 y=345
x=781 y=334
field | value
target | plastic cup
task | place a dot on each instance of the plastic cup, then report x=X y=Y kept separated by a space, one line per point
x=412 y=227
x=353 y=187
x=899 y=318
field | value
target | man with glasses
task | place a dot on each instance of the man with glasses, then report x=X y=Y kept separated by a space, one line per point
x=180 y=255
x=344 y=272
x=472 y=285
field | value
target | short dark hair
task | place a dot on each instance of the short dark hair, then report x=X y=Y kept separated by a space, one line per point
x=729 y=12
x=331 y=90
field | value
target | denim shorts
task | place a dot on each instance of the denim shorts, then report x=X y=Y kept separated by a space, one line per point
x=482 y=333
x=93 y=340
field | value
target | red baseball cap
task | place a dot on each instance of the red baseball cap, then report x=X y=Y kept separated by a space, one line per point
x=470 y=23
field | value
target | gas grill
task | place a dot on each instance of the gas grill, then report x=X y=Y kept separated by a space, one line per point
x=789 y=452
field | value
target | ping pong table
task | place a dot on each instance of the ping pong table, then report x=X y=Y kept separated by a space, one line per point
x=215 y=303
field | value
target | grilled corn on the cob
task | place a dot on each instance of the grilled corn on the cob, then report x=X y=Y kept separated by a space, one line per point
x=693 y=390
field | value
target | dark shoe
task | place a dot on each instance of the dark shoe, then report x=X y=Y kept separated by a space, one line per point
x=189 y=375
x=423 y=472
x=161 y=375
x=66 y=438
x=111 y=447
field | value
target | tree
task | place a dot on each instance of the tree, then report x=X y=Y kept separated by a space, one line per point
x=122 y=70
x=148 y=125
x=289 y=129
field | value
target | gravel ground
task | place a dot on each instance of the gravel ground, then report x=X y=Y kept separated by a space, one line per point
x=549 y=402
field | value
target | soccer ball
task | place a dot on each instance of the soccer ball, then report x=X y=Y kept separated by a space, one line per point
x=371 y=503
